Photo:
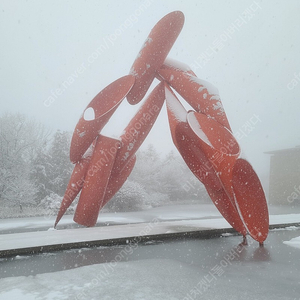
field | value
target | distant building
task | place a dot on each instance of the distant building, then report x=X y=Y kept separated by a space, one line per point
x=284 y=185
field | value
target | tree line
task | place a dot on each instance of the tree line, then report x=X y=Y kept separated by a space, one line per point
x=35 y=170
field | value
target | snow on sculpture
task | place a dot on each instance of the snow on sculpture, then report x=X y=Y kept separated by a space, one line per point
x=202 y=136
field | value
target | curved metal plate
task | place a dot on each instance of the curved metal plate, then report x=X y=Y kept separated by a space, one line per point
x=227 y=209
x=96 y=181
x=138 y=128
x=74 y=187
x=218 y=144
x=117 y=179
x=200 y=94
x=153 y=53
x=102 y=107
x=250 y=200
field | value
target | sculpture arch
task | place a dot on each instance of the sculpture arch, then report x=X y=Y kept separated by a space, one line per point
x=202 y=136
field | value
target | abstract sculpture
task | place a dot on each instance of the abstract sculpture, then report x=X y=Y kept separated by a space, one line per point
x=202 y=136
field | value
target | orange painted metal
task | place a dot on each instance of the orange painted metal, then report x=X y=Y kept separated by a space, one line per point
x=153 y=53
x=250 y=200
x=187 y=142
x=103 y=106
x=117 y=179
x=190 y=146
x=177 y=114
x=122 y=153
x=227 y=209
x=190 y=149
x=175 y=65
x=96 y=181
x=200 y=94
x=74 y=187
x=218 y=144
x=122 y=150
x=138 y=128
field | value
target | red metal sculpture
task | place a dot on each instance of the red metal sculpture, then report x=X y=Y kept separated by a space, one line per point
x=203 y=137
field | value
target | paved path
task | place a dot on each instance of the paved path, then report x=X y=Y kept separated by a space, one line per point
x=54 y=240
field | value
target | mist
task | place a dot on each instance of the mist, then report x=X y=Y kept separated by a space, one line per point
x=57 y=55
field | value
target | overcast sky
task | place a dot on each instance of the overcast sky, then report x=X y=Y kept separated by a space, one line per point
x=49 y=51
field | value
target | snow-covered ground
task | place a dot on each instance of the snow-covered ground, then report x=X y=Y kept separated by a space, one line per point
x=168 y=219
x=165 y=213
x=188 y=270
x=35 y=232
x=295 y=242
x=217 y=268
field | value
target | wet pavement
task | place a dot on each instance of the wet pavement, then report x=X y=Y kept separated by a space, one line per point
x=273 y=269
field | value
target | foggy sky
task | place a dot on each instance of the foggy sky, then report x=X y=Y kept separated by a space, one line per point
x=70 y=50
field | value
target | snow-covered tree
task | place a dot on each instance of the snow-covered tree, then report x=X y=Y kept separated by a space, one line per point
x=166 y=179
x=58 y=167
x=20 y=138
x=49 y=206
x=39 y=173
x=147 y=168
x=131 y=197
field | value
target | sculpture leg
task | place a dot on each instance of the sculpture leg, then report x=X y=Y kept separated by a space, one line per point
x=96 y=181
